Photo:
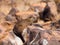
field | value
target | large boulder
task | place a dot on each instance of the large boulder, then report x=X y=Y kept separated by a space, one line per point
x=35 y=35
x=24 y=19
x=7 y=36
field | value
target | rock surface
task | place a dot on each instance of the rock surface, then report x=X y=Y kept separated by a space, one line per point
x=29 y=22
x=35 y=35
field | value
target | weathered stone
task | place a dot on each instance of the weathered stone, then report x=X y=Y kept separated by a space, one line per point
x=53 y=9
x=2 y=16
x=35 y=35
x=7 y=36
x=38 y=7
x=6 y=5
x=10 y=38
x=58 y=7
x=25 y=19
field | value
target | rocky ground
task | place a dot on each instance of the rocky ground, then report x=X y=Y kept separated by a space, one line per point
x=29 y=22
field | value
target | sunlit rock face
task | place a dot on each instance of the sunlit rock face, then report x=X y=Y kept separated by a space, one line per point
x=2 y=16
x=10 y=39
x=18 y=18
x=4 y=6
x=24 y=19
x=7 y=36
x=21 y=5
x=40 y=36
x=38 y=7
x=24 y=5
x=47 y=10
x=58 y=5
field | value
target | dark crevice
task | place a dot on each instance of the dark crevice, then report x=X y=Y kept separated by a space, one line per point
x=15 y=30
x=58 y=8
x=45 y=15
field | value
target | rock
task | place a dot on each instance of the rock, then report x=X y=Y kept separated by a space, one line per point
x=10 y=39
x=58 y=7
x=53 y=9
x=46 y=14
x=56 y=25
x=38 y=7
x=25 y=19
x=6 y=26
x=40 y=36
x=2 y=16
x=29 y=22
x=5 y=6
x=7 y=36
x=49 y=13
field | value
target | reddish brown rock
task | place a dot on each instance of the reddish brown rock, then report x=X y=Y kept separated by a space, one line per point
x=25 y=18
x=7 y=36
x=38 y=7
x=53 y=9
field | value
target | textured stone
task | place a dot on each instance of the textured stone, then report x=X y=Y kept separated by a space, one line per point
x=40 y=36
x=7 y=36
x=25 y=19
